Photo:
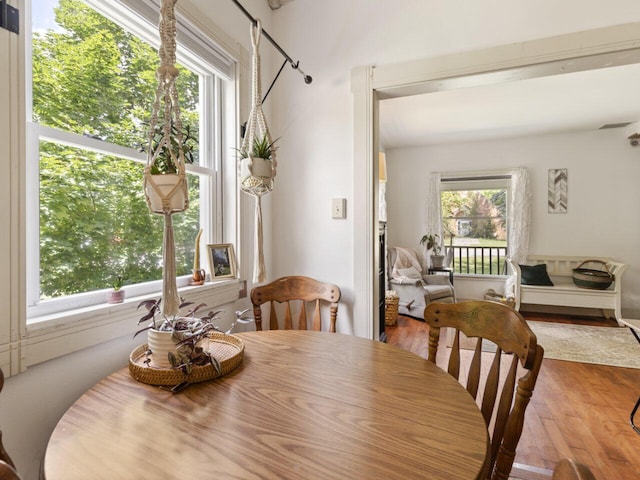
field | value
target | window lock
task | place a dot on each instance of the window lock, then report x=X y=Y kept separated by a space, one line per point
x=9 y=17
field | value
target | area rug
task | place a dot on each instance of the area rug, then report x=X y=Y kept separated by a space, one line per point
x=615 y=346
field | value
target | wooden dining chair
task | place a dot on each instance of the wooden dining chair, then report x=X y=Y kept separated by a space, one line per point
x=297 y=291
x=7 y=472
x=569 y=469
x=7 y=467
x=509 y=332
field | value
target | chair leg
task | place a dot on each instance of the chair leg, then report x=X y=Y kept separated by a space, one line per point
x=633 y=414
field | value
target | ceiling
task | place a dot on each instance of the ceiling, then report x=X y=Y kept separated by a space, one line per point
x=598 y=91
x=579 y=101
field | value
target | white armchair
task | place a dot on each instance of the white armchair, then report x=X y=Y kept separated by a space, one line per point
x=406 y=275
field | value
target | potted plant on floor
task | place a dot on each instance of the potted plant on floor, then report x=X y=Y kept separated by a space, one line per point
x=432 y=242
x=164 y=171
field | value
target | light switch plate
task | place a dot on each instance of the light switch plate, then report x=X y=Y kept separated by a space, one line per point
x=339 y=208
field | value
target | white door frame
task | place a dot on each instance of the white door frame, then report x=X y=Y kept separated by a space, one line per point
x=609 y=46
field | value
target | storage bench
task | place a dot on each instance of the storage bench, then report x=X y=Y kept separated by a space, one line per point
x=564 y=292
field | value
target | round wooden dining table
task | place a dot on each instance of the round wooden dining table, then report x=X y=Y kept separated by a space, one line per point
x=302 y=405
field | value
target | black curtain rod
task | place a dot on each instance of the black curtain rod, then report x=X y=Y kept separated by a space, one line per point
x=294 y=65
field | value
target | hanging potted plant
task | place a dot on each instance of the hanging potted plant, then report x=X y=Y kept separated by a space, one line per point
x=433 y=243
x=257 y=164
x=173 y=339
x=167 y=182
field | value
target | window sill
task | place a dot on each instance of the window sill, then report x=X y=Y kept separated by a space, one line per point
x=58 y=334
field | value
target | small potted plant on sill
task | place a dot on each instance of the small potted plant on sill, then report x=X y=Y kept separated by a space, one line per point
x=174 y=341
x=164 y=169
x=257 y=164
x=433 y=243
x=116 y=295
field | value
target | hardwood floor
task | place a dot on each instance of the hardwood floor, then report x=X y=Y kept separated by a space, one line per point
x=577 y=410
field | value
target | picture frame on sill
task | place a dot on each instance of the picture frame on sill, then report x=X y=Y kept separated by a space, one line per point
x=222 y=260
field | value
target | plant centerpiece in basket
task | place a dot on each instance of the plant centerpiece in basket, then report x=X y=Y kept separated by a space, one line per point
x=185 y=339
x=175 y=340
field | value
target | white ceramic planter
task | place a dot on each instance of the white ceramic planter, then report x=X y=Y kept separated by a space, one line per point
x=160 y=344
x=166 y=184
x=256 y=175
x=257 y=167
x=437 y=261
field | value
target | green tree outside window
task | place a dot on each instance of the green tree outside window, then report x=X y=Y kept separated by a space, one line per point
x=93 y=78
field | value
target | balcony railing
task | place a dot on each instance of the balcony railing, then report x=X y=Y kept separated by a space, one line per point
x=479 y=260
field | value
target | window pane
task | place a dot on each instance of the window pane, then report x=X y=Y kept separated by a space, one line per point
x=92 y=77
x=94 y=223
x=475 y=225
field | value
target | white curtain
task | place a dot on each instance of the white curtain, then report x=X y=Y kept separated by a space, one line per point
x=434 y=209
x=520 y=215
x=382 y=201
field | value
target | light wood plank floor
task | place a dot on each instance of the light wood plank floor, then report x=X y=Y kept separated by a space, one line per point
x=577 y=410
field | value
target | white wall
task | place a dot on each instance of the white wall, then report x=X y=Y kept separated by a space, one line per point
x=32 y=402
x=602 y=193
x=316 y=121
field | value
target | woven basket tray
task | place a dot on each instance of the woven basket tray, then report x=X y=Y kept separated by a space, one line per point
x=228 y=349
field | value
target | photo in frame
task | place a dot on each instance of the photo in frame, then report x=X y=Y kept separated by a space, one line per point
x=222 y=261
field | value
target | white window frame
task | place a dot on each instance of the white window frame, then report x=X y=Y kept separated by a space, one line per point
x=81 y=324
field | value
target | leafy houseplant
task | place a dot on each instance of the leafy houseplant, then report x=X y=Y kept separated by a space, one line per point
x=185 y=333
x=257 y=165
x=118 y=280
x=432 y=242
x=261 y=148
x=117 y=294
x=163 y=163
x=165 y=188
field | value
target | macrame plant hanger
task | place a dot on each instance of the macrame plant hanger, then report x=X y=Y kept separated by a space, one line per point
x=167 y=193
x=257 y=174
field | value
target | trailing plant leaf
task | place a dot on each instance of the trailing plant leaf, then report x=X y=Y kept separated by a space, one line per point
x=188 y=331
x=148 y=327
x=216 y=364
x=173 y=360
x=192 y=312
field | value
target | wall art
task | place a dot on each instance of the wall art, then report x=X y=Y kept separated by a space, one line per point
x=558 y=190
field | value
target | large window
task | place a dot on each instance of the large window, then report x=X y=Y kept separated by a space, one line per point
x=475 y=222
x=92 y=86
